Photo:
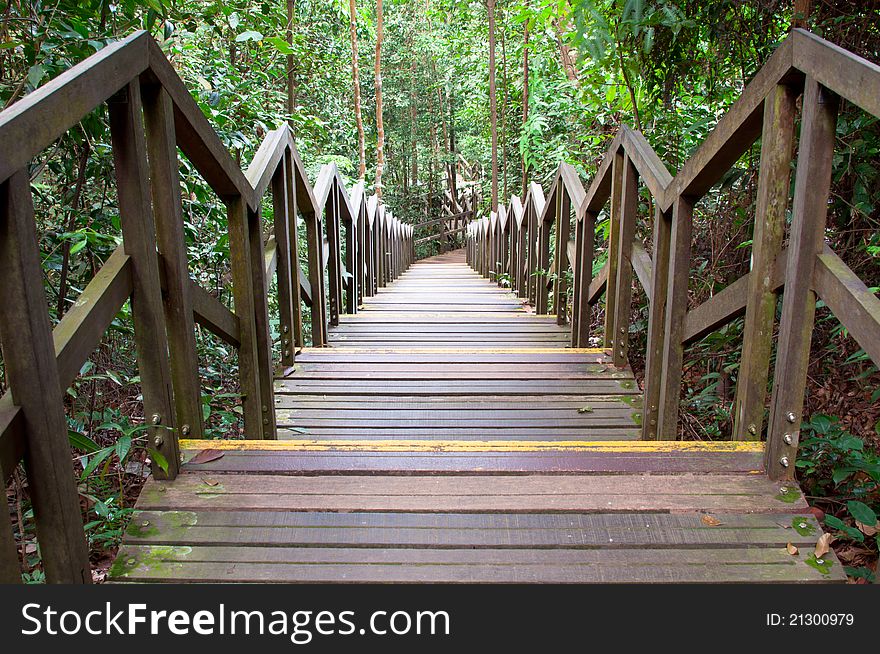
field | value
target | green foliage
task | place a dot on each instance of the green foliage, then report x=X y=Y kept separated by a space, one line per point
x=836 y=468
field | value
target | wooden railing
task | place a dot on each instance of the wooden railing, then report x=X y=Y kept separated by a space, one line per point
x=151 y=115
x=459 y=204
x=803 y=65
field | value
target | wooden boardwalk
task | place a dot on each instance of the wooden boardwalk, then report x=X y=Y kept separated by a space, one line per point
x=449 y=435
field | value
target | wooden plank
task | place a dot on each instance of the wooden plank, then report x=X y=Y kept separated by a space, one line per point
x=171 y=241
x=81 y=329
x=463 y=387
x=470 y=494
x=771 y=207
x=662 y=449
x=139 y=241
x=559 y=536
x=214 y=316
x=652 y=171
x=279 y=565
x=32 y=375
x=812 y=188
x=846 y=74
x=729 y=303
x=598 y=285
x=620 y=432
x=34 y=122
x=553 y=459
x=857 y=308
x=643 y=267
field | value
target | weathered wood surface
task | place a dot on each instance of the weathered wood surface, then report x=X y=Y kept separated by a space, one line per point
x=438 y=440
x=481 y=366
x=219 y=521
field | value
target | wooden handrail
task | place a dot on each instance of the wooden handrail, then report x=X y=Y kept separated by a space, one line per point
x=152 y=114
x=802 y=64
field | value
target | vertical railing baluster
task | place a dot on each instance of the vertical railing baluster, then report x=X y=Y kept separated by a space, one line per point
x=613 y=247
x=770 y=215
x=629 y=206
x=811 y=192
x=285 y=271
x=32 y=374
x=139 y=241
x=167 y=209
x=676 y=311
x=657 y=326
x=315 y=245
x=563 y=229
x=293 y=248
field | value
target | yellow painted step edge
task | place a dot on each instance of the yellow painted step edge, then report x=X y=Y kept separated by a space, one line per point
x=311 y=445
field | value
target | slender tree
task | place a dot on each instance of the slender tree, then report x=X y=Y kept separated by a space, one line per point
x=362 y=157
x=493 y=109
x=504 y=104
x=291 y=82
x=380 y=125
x=525 y=99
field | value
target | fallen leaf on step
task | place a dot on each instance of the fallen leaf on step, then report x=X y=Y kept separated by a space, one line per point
x=205 y=456
x=791 y=549
x=211 y=482
x=710 y=520
x=823 y=545
x=586 y=409
x=868 y=530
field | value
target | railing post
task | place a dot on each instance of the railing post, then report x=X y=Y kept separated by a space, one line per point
x=773 y=187
x=32 y=373
x=532 y=249
x=316 y=277
x=628 y=209
x=265 y=373
x=611 y=294
x=657 y=326
x=676 y=311
x=522 y=256
x=293 y=248
x=286 y=271
x=545 y=224
x=167 y=209
x=584 y=230
x=563 y=229
x=139 y=241
x=369 y=255
x=349 y=284
x=334 y=262
x=812 y=188
x=240 y=253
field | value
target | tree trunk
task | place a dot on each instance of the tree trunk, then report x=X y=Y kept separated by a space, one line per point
x=802 y=9
x=493 y=109
x=355 y=77
x=291 y=82
x=414 y=128
x=505 y=196
x=380 y=125
x=525 y=101
x=565 y=55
